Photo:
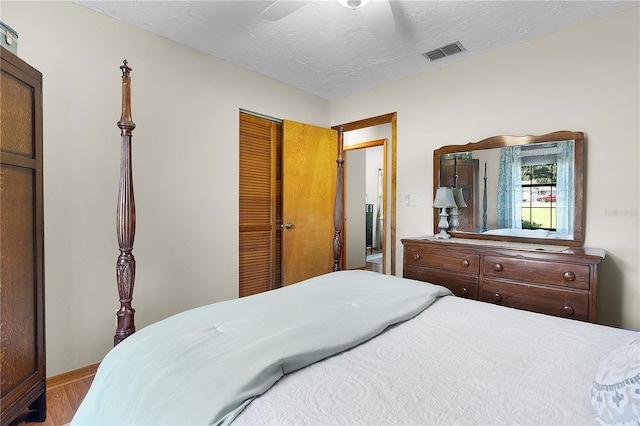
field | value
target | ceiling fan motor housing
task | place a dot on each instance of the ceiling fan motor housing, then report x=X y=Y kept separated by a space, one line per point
x=353 y=4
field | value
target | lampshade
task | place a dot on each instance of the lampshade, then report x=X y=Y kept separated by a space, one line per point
x=458 y=197
x=444 y=198
x=353 y=4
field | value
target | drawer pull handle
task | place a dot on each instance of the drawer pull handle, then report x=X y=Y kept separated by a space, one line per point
x=569 y=276
x=464 y=292
x=497 y=297
x=497 y=267
x=567 y=311
x=465 y=263
x=416 y=256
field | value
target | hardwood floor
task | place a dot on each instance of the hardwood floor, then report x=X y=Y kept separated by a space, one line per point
x=62 y=403
x=374 y=266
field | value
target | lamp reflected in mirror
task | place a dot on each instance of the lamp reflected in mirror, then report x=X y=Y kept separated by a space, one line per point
x=444 y=200
x=459 y=200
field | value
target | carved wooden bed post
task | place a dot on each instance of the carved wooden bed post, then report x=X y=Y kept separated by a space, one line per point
x=338 y=212
x=125 y=217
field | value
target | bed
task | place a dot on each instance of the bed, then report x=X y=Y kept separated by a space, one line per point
x=358 y=347
x=528 y=233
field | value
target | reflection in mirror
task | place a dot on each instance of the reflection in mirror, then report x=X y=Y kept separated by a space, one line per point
x=517 y=188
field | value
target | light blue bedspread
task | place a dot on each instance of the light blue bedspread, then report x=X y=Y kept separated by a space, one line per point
x=203 y=366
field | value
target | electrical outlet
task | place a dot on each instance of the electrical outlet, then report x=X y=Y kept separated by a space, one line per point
x=407 y=200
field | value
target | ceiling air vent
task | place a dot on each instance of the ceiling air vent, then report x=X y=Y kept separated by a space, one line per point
x=448 y=50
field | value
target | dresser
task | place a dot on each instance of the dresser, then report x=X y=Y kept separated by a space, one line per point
x=552 y=280
x=22 y=266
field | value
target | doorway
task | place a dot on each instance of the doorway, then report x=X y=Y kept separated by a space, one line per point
x=365 y=201
x=374 y=129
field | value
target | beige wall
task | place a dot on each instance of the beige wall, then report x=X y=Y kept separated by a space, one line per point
x=185 y=105
x=185 y=155
x=584 y=78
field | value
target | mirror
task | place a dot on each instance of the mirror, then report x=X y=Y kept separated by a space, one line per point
x=516 y=188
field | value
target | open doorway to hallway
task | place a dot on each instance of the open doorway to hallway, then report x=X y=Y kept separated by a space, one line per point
x=365 y=198
x=377 y=130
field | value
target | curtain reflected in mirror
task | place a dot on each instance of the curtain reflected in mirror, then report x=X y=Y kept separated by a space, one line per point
x=566 y=188
x=510 y=189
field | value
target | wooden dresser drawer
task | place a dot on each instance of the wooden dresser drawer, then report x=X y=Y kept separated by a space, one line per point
x=561 y=283
x=461 y=285
x=537 y=271
x=547 y=300
x=458 y=261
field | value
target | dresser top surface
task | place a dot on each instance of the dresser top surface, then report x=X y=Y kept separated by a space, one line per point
x=504 y=245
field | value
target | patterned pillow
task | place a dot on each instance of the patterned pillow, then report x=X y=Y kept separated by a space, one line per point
x=615 y=393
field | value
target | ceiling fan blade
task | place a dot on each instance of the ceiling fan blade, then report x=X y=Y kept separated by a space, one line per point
x=281 y=8
x=379 y=18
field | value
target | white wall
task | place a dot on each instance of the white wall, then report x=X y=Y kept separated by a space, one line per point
x=584 y=78
x=185 y=161
x=354 y=211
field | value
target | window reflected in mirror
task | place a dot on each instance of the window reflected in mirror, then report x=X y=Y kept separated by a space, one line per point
x=539 y=196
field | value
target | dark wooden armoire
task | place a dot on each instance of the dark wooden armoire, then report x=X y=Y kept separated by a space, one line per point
x=22 y=242
x=467 y=171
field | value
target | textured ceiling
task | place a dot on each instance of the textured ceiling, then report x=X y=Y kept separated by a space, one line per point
x=328 y=50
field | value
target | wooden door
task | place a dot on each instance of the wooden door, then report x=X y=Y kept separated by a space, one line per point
x=309 y=171
x=260 y=213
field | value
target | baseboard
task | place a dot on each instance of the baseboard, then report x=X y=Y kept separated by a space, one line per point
x=71 y=376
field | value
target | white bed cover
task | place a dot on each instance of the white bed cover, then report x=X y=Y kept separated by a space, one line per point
x=458 y=362
x=202 y=366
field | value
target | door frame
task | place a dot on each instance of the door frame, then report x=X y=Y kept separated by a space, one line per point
x=390 y=179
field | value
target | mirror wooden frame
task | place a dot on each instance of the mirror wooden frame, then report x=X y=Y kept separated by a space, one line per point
x=505 y=141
